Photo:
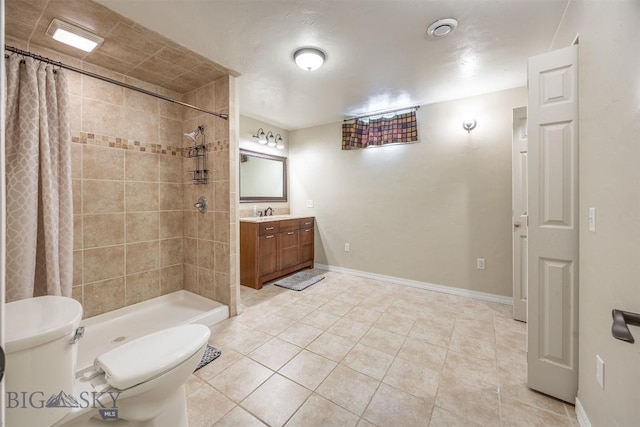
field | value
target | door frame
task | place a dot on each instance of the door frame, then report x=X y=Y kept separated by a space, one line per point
x=520 y=218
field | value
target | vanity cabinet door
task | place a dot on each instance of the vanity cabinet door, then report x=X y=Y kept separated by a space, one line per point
x=289 y=248
x=267 y=254
x=306 y=244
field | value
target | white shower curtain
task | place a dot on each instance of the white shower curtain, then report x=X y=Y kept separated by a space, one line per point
x=38 y=171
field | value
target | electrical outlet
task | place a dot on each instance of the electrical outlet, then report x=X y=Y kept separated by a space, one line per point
x=480 y=263
x=309 y=203
x=347 y=247
x=592 y=220
x=600 y=371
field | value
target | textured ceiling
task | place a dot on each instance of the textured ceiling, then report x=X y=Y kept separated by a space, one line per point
x=378 y=55
x=128 y=48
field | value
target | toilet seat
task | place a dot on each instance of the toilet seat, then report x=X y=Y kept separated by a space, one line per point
x=152 y=355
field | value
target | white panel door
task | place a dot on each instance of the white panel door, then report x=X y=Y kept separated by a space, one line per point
x=520 y=210
x=552 y=328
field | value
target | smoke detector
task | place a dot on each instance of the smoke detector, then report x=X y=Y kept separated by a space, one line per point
x=442 y=27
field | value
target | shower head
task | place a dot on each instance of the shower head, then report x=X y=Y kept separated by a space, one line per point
x=192 y=136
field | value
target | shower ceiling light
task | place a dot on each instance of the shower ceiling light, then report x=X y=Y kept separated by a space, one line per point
x=309 y=58
x=73 y=36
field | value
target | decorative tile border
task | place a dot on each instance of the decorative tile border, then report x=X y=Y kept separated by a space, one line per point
x=145 y=147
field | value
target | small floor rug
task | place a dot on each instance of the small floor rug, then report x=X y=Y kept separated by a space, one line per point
x=210 y=354
x=301 y=280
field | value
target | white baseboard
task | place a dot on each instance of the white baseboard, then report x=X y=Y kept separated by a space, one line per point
x=581 y=415
x=421 y=285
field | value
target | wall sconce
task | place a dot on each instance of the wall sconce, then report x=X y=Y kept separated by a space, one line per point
x=261 y=136
x=279 y=142
x=269 y=139
x=469 y=125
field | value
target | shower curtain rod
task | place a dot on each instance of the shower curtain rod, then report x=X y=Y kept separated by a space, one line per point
x=380 y=113
x=108 y=80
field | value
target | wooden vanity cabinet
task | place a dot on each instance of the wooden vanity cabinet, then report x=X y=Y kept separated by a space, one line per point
x=306 y=239
x=272 y=249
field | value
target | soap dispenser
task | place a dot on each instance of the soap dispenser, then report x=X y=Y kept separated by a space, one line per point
x=255 y=211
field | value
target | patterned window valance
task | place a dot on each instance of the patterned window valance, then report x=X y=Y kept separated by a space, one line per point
x=363 y=132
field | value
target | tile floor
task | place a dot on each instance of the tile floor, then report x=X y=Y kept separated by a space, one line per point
x=353 y=351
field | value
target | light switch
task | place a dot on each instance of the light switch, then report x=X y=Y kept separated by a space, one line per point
x=592 y=220
x=309 y=203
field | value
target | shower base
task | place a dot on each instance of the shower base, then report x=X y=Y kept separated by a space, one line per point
x=110 y=330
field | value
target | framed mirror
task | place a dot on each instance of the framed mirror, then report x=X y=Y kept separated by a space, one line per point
x=263 y=177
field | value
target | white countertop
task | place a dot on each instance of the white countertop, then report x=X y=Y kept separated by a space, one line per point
x=273 y=218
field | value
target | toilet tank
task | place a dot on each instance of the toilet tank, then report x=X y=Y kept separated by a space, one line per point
x=40 y=359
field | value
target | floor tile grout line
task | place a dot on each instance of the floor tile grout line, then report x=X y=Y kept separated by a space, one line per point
x=371 y=325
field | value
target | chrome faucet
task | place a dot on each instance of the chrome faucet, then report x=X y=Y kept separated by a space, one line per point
x=268 y=211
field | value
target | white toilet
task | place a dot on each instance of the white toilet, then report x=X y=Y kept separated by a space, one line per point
x=139 y=384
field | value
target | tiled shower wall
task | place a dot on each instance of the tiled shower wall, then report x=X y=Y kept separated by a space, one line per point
x=127 y=186
x=209 y=256
x=136 y=232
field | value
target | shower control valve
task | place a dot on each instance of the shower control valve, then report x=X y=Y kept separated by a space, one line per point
x=202 y=204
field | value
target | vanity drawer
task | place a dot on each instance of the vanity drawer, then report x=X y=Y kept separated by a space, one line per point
x=289 y=225
x=270 y=227
x=306 y=235
x=288 y=239
x=306 y=223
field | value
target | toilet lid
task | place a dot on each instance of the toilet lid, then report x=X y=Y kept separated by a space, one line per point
x=147 y=357
x=36 y=321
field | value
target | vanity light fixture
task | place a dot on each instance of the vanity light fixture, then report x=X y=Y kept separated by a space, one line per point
x=260 y=136
x=469 y=125
x=309 y=58
x=271 y=140
x=279 y=142
x=73 y=35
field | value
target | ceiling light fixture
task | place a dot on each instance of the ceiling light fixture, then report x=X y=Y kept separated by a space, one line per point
x=442 y=27
x=309 y=58
x=73 y=36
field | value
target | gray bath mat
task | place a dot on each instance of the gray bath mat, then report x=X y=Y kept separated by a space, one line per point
x=301 y=280
x=210 y=354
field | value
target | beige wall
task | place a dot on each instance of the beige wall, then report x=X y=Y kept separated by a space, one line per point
x=136 y=232
x=609 y=67
x=248 y=128
x=423 y=211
